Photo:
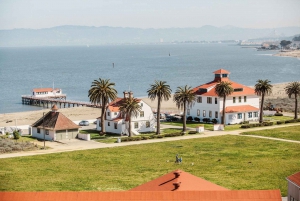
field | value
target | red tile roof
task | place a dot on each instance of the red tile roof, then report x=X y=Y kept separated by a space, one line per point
x=45 y=89
x=221 y=71
x=234 y=195
x=115 y=105
x=187 y=182
x=295 y=178
x=240 y=108
x=212 y=92
x=55 y=121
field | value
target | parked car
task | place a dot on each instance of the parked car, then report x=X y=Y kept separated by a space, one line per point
x=173 y=118
x=84 y=123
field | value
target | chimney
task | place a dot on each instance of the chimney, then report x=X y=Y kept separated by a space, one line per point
x=54 y=108
x=177 y=173
x=130 y=94
x=125 y=94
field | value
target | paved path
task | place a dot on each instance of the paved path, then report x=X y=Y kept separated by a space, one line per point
x=76 y=145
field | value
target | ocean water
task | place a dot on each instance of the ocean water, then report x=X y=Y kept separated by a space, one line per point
x=135 y=67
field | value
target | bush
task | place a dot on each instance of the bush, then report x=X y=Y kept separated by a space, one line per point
x=192 y=132
x=278 y=114
x=214 y=121
x=16 y=135
x=16 y=147
x=244 y=122
x=145 y=137
x=8 y=149
x=206 y=120
x=190 y=118
x=267 y=123
x=2 y=149
x=280 y=122
x=291 y=121
x=160 y=136
x=197 y=119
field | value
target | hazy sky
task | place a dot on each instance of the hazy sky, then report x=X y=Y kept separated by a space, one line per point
x=149 y=13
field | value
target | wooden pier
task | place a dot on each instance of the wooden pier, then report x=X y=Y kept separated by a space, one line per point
x=50 y=101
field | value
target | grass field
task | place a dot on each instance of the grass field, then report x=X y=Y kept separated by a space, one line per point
x=235 y=162
x=193 y=124
x=290 y=133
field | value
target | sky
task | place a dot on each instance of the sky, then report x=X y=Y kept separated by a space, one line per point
x=36 y=14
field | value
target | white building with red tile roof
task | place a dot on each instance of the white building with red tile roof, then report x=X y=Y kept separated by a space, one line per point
x=294 y=187
x=46 y=92
x=116 y=123
x=54 y=126
x=241 y=105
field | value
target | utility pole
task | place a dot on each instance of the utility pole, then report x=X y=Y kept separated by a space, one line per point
x=44 y=128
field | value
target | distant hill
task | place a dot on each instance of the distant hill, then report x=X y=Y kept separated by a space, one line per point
x=84 y=35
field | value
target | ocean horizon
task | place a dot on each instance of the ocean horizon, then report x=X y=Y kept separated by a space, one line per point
x=131 y=67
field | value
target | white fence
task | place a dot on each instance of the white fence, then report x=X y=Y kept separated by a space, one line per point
x=86 y=137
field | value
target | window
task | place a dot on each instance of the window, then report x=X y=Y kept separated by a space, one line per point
x=116 y=125
x=224 y=75
x=147 y=124
x=141 y=104
x=115 y=113
x=255 y=114
x=216 y=101
x=245 y=98
x=108 y=123
x=240 y=99
x=141 y=113
x=209 y=100
x=216 y=114
x=188 y=111
x=204 y=113
x=198 y=112
x=199 y=99
x=233 y=99
x=38 y=130
x=47 y=132
x=210 y=114
x=240 y=116
x=249 y=114
x=136 y=124
x=108 y=113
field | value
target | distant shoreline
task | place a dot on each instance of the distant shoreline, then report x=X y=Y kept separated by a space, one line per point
x=293 y=53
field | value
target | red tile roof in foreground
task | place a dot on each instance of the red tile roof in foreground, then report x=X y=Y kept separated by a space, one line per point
x=186 y=181
x=234 y=195
x=240 y=108
x=295 y=178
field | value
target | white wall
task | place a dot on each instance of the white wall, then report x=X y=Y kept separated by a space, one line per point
x=41 y=134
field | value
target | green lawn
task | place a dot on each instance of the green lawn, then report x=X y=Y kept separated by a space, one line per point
x=235 y=162
x=290 y=133
x=193 y=124
x=277 y=118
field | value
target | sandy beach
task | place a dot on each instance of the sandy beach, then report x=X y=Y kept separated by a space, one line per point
x=277 y=98
x=294 y=53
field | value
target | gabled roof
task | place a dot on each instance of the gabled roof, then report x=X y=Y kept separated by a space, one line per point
x=210 y=86
x=186 y=182
x=221 y=71
x=55 y=121
x=240 y=108
x=234 y=195
x=295 y=178
x=45 y=89
x=115 y=105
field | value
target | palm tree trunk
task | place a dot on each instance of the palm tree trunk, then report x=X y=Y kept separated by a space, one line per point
x=184 y=117
x=158 y=116
x=261 y=108
x=103 y=116
x=296 y=106
x=223 y=112
x=129 y=126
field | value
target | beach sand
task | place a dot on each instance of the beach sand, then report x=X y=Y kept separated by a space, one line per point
x=277 y=98
x=294 y=53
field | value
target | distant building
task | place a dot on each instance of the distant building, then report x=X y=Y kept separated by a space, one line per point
x=46 y=92
x=55 y=126
x=294 y=187
x=116 y=123
x=241 y=105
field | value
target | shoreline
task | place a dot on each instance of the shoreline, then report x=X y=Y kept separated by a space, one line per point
x=278 y=98
x=293 y=54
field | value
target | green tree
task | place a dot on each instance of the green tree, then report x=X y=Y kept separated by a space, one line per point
x=223 y=89
x=285 y=43
x=161 y=91
x=102 y=92
x=16 y=135
x=130 y=107
x=262 y=88
x=184 y=97
x=293 y=88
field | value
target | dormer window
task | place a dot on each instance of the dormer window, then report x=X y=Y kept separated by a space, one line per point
x=238 y=89
x=224 y=75
x=202 y=90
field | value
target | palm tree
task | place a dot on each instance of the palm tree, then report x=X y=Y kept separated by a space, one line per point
x=223 y=89
x=161 y=91
x=130 y=107
x=293 y=88
x=262 y=88
x=184 y=97
x=102 y=92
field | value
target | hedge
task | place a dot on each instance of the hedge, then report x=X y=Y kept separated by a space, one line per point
x=257 y=125
x=138 y=138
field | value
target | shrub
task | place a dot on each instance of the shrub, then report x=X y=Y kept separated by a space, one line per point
x=267 y=123
x=2 y=149
x=206 y=120
x=291 y=121
x=190 y=118
x=245 y=122
x=214 y=121
x=192 y=132
x=197 y=119
x=246 y=126
x=298 y=120
x=161 y=136
x=16 y=135
x=145 y=137
x=278 y=114
x=8 y=149
x=280 y=122
x=16 y=148
x=153 y=136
